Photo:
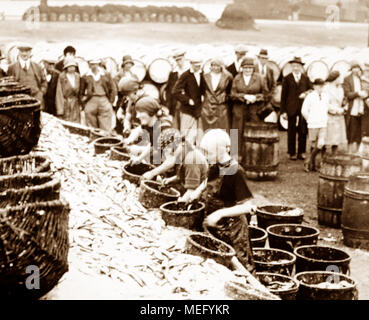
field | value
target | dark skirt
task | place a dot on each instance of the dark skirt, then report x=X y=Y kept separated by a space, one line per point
x=354 y=129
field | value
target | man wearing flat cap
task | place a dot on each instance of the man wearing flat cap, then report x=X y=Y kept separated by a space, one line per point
x=294 y=88
x=172 y=103
x=29 y=73
x=355 y=95
x=240 y=52
x=101 y=94
x=188 y=90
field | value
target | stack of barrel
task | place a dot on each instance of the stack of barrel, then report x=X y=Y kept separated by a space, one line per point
x=343 y=196
x=33 y=219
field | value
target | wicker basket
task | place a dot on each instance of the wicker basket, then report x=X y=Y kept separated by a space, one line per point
x=30 y=163
x=8 y=87
x=35 y=234
x=20 y=124
x=20 y=189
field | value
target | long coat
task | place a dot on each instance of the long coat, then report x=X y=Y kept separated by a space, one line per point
x=290 y=101
x=50 y=94
x=239 y=89
x=214 y=113
x=186 y=88
x=354 y=130
x=68 y=102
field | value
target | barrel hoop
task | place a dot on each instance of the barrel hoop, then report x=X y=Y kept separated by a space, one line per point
x=356 y=194
x=365 y=157
x=351 y=230
x=335 y=178
x=261 y=168
x=330 y=209
x=261 y=140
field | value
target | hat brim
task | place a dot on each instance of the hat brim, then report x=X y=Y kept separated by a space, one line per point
x=24 y=48
x=356 y=66
x=70 y=65
x=263 y=56
x=128 y=61
x=296 y=61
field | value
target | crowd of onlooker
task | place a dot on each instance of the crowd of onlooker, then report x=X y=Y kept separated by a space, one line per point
x=331 y=114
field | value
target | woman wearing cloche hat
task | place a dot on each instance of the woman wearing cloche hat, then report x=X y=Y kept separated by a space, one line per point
x=68 y=99
x=247 y=93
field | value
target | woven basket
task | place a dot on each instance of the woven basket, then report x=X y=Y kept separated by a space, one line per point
x=27 y=164
x=20 y=124
x=20 y=189
x=8 y=87
x=35 y=234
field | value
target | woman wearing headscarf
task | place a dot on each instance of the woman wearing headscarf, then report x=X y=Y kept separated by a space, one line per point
x=183 y=164
x=68 y=98
x=336 y=127
x=247 y=93
x=153 y=120
x=217 y=86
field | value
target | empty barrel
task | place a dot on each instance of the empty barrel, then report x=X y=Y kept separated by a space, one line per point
x=333 y=176
x=261 y=159
x=355 y=212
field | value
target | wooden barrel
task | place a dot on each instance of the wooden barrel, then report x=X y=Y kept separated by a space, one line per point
x=139 y=69
x=364 y=153
x=261 y=148
x=317 y=69
x=355 y=212
x=159 y=70
x=333 y=176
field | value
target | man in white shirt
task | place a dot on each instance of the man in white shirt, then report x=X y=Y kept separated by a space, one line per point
x=315 y=111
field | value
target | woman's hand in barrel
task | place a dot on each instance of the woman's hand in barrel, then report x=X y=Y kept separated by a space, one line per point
x=149 y=175
x=213 y=219
x=190 y=196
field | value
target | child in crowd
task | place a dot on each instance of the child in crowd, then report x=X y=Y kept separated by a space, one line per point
x=315 y=111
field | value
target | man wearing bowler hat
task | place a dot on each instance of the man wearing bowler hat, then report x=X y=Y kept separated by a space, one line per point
x=265 y=71
x=294 y=87
x=29 y=73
